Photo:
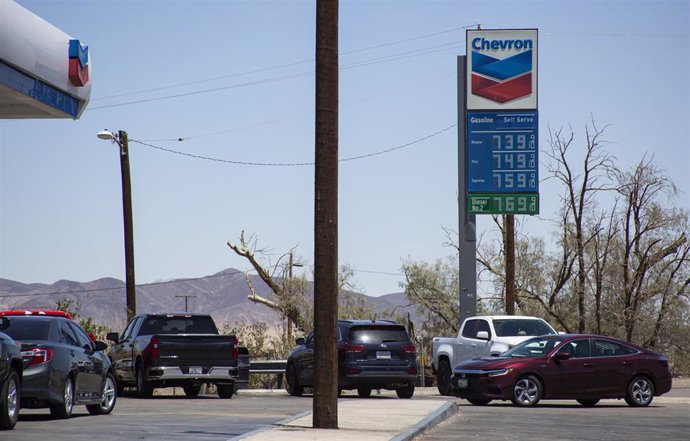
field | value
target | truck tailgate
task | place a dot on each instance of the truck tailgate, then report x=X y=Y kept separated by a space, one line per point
x=198 y=349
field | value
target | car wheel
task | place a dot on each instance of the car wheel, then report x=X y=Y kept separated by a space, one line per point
x=405 y=392
x=226 y=390
x=364 y=392
x=192 y=390
x=640 y=392
x=588 y=403
x=63 y=410
x=9 y=401
x=107 y=404
x=293 y=386
x=144 y=386
x=443 y=378
x=527 y=391
x=479 y=401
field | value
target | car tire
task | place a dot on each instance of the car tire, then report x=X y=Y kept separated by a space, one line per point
x=479 y=401
x=144 y=386
x=527 y=391
x=192 y=390
x=293 y=386
x=364 y=392
x=226 y=391
x=443 y=378
x=63 y=410
x=588 y=403
x=107 y=404
x=405 y=392
x=640 y=392
x=10 y=401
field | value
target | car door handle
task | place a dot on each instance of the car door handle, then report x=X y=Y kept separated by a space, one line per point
x=588 y=364
x=474 y=345
x=627 y=363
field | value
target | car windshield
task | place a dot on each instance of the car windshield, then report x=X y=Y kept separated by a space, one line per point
x=533 y=348
x=378 y=334
x=522 y=327
x=28 y=328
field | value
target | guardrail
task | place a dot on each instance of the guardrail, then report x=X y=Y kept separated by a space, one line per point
x=268 y=367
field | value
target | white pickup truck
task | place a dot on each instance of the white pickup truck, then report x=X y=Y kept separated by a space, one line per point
x=482 y=336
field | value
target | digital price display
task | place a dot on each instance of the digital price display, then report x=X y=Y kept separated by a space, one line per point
x=503 y=203
x=502 y=152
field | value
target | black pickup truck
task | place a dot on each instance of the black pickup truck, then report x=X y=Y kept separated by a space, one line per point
x=180 y=350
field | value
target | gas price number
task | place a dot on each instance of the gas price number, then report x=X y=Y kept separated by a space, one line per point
x=502 y=152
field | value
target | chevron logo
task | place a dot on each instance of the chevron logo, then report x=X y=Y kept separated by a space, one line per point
x=502 y=80
x=78 y=63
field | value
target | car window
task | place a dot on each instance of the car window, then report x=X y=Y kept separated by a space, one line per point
x=84 y=340
x=483 y=325
x=470 y=329
x=522 y=327
x=128 y=330
x=178 y=325
x=23 y=328
x=378 y=334
x=605 y=348
x=533 y=348
x=67 y=334
x=576 y=348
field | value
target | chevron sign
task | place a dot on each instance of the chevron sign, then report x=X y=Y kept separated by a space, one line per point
x=78 y=63
x=501 y=69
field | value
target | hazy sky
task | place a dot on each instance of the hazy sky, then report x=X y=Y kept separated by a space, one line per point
x=236 y=80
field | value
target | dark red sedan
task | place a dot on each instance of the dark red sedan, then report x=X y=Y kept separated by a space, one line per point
x=586 y=368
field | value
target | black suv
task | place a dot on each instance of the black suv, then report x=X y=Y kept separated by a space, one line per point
x=372 y=354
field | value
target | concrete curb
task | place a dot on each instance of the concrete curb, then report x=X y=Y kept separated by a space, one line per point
x=271 y=426
x=449 y=409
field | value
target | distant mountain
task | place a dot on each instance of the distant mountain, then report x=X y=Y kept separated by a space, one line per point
x=223 y=295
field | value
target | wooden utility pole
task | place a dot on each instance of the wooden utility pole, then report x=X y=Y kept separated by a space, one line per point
x=325 y=410
x=509 y=251
x=128 y=224
x=186 y=298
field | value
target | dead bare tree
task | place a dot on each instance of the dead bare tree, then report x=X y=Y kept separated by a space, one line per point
x=581 y=187
x=288 y=290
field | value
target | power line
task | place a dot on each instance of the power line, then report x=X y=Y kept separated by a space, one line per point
x=376 y=60
x=280 y=66
x=299 y=115
x=291 y=164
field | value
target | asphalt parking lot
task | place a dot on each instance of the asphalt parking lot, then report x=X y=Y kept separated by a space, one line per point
x=209 y=418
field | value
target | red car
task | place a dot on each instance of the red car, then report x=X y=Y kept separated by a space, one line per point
x=586 y=368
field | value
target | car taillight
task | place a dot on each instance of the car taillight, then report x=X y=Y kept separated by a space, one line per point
x=152 y=351
x=408 y=348
x=664 y=363
x=353 y=371
x=235 y=348
x=350 y=348
x=412 y=371
x=37 y=356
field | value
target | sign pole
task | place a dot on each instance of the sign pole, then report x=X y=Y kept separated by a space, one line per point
x=467 y=236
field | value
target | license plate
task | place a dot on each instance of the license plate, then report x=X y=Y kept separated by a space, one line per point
x=462 y=383
x=195 y=370
x=383 y=355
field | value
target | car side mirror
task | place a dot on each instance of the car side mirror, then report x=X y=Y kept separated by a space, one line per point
x=299 y=341
x=100 y=346
x=561 y=356
x=113 y=336
x=4 y=323
x=483 y=335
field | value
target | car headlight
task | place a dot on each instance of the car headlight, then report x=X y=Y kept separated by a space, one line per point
x=499 y=372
